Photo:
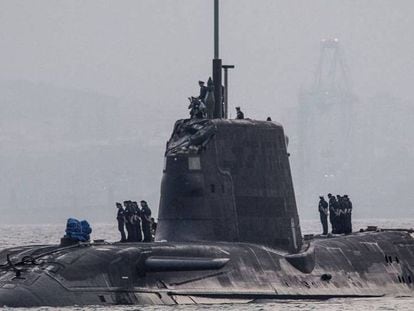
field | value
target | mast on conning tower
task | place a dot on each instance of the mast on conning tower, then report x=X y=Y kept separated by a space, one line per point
x=218 y=111
x=220 y=99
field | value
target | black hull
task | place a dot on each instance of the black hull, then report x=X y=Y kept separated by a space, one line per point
x=372 y=264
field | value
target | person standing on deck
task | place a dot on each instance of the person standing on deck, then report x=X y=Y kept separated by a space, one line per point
x=120 y=217
x=323 y=213
x=146 y=221
x=332 y=203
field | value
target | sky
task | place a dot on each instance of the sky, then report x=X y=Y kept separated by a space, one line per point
x=120 y=48
x=134 y=63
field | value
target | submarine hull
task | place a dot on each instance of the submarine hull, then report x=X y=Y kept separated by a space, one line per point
x=370 y=264
x=228 y=231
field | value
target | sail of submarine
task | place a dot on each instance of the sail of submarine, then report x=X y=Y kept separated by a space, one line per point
x=228 y=232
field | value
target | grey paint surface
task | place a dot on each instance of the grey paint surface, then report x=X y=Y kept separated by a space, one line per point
x=242 y=191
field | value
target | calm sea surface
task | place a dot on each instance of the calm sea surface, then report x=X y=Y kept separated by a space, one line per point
x=13 y=235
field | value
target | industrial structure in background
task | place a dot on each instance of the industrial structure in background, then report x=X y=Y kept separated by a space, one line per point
x=325 y=127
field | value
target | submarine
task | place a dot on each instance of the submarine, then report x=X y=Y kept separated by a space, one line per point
x=228 y=232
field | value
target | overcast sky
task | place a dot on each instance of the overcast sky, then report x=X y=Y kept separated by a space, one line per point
x=161 y=48
x=153 y=52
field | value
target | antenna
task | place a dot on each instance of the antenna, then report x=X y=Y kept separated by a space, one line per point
x=218 y=96
x=220 y=99
x=216 y=29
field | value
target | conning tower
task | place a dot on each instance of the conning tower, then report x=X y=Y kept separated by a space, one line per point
x=228 y=180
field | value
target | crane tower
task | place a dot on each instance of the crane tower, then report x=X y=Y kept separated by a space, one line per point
x=325 y=125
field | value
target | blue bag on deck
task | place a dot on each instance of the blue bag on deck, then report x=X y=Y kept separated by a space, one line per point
x=78 y=230
x=86 y=229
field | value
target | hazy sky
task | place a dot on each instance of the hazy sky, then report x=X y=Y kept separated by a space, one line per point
x=147 y=49
x=153 y=52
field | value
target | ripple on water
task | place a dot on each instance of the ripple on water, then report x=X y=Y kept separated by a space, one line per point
x=371 y=304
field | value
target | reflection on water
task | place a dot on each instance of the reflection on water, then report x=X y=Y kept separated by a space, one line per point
x=380 y=304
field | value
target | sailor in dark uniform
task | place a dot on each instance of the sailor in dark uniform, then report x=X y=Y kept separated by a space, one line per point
x=341 y=214
x=197 y=108
x=332 y=203
x=120 y=217
x=136 y=222
x=348 y=214
x=146 y=221
x=153 y=228
x=239 y=114
x=210 y=101
x=323 y=213
x=203 y=91
x=129 y=213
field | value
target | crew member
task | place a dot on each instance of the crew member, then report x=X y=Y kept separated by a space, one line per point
x=146 y=221
x=332 y=218
x=203 y=91
x=210 y=101
x=323 y=213
x=137 y=222
x=348 y=226
x=197 y=108
x=341 y=214
x=129 y=213
x=120 y=217
x=153 y=228
x=240 y=114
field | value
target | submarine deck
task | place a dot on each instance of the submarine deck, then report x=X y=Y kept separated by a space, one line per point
x=366 y=264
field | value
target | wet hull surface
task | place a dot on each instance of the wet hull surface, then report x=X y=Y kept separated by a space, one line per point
x=359 y=265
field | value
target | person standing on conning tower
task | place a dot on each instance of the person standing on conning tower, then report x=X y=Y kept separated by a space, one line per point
x=209 y=100
x=240 y=114
x=203 y=91
x=197 y=108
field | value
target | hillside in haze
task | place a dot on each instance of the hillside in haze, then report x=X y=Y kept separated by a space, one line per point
x=67 y=152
